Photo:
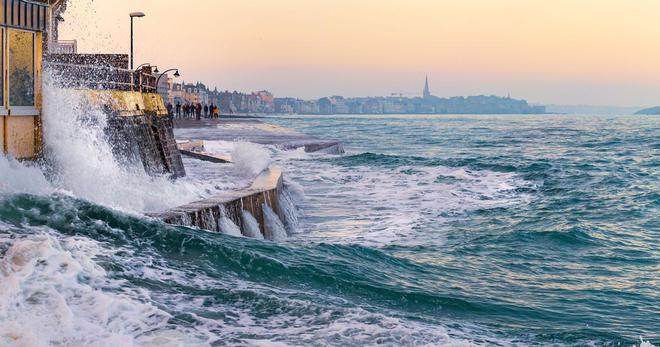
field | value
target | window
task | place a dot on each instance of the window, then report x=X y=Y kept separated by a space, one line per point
x=21 y=68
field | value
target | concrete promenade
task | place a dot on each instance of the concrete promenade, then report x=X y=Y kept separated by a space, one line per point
x=251 y=130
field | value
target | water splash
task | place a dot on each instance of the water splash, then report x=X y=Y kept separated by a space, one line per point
x=273 y=225
x=251 y=226
x=250 y=159
x=18 y=177
x=81 y=159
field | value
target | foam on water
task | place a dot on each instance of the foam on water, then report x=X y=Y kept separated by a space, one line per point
x=50 y=295
x=273 y=225
x=251 y=226
x=380 y=205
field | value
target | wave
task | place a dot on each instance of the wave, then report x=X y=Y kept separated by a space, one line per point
x=180 y=284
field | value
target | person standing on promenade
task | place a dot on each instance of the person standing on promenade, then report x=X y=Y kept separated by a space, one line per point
x=199 y=111
x=211 y=111
x=206 y=111
x=169 y=109
x=178 y=109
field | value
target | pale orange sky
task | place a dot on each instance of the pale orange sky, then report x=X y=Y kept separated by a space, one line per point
x=603 y=52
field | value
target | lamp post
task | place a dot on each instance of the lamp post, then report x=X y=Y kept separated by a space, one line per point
x=176 y=74
x=134 y=15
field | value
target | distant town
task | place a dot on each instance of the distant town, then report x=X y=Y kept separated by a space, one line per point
x=264 y=102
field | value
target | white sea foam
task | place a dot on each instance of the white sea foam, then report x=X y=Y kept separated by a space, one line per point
x=250 y=159
x=220 y=147
x=18 y=177
x=376 y=205
x=50 y=295
x=251 y=226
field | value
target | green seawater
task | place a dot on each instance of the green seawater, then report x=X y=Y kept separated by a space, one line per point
x=429 y=231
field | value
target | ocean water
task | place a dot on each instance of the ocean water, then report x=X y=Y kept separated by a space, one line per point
x=429 y=231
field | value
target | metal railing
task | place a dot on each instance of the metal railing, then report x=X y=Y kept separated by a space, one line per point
x=101 y=77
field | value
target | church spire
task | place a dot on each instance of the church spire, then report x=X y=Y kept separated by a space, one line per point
x=427 y=90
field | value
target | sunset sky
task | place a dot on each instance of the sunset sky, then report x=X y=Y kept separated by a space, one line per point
x=601 y=52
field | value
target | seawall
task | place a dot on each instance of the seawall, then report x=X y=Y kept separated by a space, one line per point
x=208 y=213
x=139 y=129
x=255 y=131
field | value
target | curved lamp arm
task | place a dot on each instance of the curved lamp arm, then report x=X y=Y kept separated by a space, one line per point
x=145 y=64
x=176 y=74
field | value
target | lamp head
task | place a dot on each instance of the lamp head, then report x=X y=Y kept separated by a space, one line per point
x=137 y=14
x=176 y=74
x=156 y=69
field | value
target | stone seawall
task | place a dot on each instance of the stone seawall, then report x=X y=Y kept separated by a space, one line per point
x=139 y=129
x=146 y=139
x=208 y=213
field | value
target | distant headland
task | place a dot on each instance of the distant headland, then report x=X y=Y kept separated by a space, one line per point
x=649 y=111
x=398 y=104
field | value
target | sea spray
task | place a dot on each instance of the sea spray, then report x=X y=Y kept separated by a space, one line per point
x=251 y=226
x=22 y=177
x=81 y=159
x=273 y=225
x=226 y=225
x=250 y=159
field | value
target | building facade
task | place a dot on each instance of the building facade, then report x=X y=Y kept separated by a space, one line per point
x=23 y=25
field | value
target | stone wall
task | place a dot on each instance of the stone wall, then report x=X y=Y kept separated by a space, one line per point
x=163 y=133
x=139 y=130
x=206 y=214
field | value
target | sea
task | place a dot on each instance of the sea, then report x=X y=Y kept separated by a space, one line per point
x=431 y=230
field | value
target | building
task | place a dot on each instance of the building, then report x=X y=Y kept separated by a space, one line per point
x=24 y=26
x=427 y=91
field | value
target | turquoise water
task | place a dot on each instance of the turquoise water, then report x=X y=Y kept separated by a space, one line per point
x=430 y=230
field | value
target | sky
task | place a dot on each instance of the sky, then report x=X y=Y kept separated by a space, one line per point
x=596 y=52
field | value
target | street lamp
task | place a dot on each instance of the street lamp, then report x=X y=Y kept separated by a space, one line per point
x=176 y=74
x=134 y=15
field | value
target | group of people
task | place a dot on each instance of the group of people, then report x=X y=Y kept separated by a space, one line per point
x=193 y=111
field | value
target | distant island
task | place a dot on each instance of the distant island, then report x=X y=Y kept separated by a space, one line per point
x=427 y=104
x=649 y=111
